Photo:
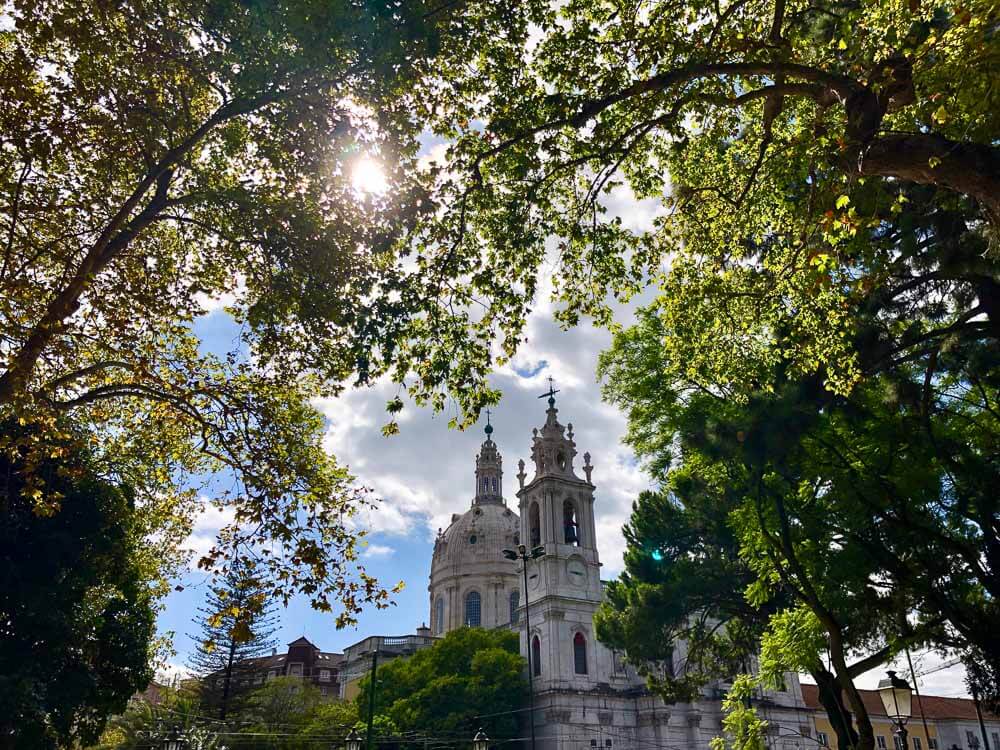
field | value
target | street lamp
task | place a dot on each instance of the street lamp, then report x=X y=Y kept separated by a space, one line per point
x=480 y=741
x=523 y=555
x=896 y=695
x=353 y=740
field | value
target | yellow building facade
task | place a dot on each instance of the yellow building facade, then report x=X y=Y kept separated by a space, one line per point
x=938 y=723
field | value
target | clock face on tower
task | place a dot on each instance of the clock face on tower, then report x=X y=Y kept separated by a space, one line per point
x=576 y=571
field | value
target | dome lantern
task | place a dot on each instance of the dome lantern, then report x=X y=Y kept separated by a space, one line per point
x=489 y=470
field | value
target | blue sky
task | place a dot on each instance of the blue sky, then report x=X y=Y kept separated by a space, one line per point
x=425 y=474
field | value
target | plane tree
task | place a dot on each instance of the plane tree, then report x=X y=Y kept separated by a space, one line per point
x=158 y=161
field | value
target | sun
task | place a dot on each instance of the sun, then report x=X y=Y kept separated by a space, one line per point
x=367 y=176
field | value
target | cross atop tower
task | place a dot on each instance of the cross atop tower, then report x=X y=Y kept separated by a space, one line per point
x=551 y=393
x=489 y=427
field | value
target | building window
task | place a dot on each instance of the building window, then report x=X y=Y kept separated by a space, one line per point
x=897 y=741
x=473 y=539
x=932 y=743
x=536 y=656
x=295 y=670
x=473 y=609
x=272 y=674
x=515 y=601
x=822 y=739
x=534 y=525
x=996 y=740
x=880 y=742
x=571 y=529
x=324 y=675
x=917 y=743
x=971 y=738
x=579 y=654
x=439 y=615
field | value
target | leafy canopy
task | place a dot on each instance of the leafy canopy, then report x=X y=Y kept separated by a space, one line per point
x=76 y=618
x=469 y=679
x=159 y=159
x=772 y=139
x=837 y=509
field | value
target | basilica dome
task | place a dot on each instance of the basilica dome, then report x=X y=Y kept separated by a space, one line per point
x=471 y=582
x=476 y=537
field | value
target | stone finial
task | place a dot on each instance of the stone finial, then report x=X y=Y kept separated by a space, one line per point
x=520 y=472
x=569 y=430
x=587 y=468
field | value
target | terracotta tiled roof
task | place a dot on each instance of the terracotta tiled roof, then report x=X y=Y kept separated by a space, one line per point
x=935 y=706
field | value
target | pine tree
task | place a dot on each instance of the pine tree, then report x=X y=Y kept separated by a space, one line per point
x=237 y=626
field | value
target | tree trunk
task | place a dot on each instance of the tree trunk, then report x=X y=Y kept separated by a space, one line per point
x=228 y=680
x=831 y=697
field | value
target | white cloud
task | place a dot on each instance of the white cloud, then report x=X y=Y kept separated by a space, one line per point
x=171 y=673
x=210 y=520
x=211 y=303
x=936 y=675
x=426 y=473
x=379 y=550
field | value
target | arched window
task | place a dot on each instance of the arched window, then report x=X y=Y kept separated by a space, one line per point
x=473 y=609
x=579 y=654
x=515 y=601
x=439 y=615
x=571 y=529
x=536 y=656
x=534 y=525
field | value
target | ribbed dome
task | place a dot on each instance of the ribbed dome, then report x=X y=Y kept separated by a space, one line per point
x=477 y=536
x=471 y=582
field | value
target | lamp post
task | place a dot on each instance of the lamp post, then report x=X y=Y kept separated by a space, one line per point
x=371 y=697
x=896 y=695
x=480 y=741
x=524 y=555
x=353 y=740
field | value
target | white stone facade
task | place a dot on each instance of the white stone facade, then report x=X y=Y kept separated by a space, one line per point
x=471 y=583
x=585 y=696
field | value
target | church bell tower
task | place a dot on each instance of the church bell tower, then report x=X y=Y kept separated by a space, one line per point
x=564 y=585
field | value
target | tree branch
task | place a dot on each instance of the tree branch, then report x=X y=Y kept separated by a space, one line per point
x=972 y=169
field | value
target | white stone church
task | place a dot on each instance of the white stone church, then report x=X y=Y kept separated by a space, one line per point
x=585 y=696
